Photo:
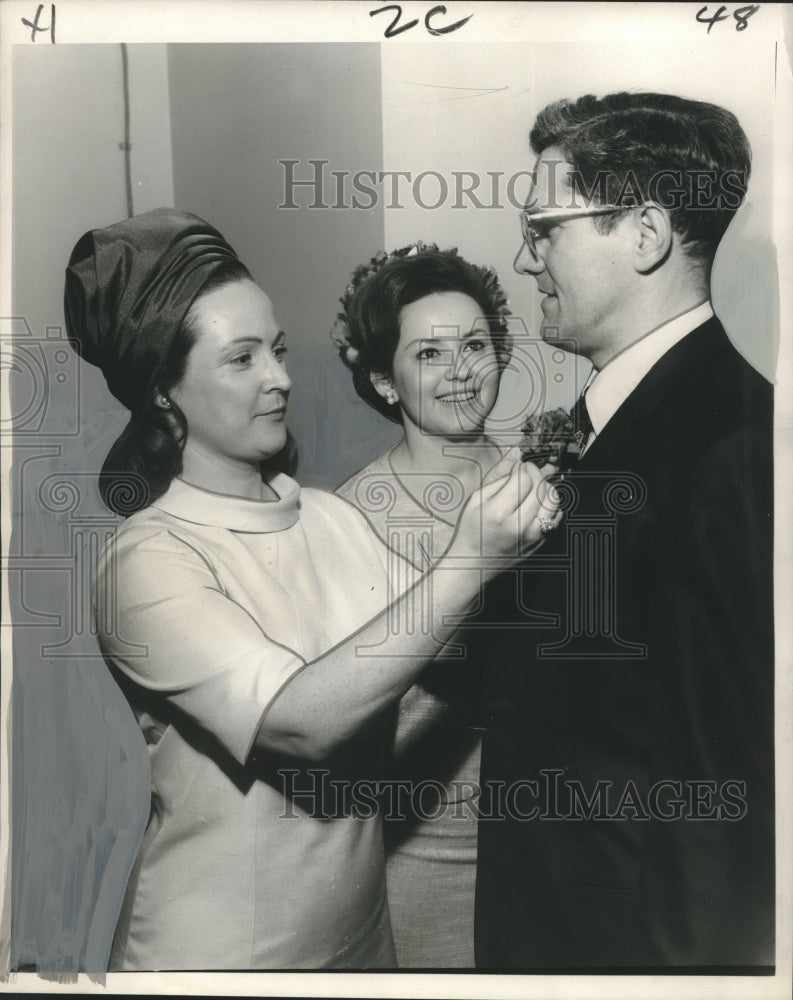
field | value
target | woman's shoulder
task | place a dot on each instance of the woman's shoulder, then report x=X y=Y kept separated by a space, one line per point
x=152 y=533
x=337 y=525
x=147 y=521
x=335 y=509
x=377 y=471
x=143 y=523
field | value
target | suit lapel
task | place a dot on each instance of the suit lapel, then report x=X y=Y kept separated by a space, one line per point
x=691 y=352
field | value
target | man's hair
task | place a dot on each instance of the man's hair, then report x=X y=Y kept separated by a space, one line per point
x=690 y=157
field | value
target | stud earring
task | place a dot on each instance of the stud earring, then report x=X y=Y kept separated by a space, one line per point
x=391 y=397
x=164 y=402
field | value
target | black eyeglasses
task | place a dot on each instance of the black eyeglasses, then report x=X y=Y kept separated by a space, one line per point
x=529 y=221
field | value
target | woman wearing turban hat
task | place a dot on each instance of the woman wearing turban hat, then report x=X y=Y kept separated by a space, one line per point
x=243 y=618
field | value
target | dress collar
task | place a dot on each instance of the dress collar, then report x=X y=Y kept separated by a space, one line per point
x=189 y=503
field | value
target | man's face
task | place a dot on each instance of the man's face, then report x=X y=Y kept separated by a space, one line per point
x=583 y=275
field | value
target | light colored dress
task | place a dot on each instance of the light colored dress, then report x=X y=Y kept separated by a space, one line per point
x=431 y=853
x=206 y=606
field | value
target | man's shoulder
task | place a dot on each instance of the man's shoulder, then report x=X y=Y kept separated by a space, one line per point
x=722 y=383
x=705 y=377
x=702 y=413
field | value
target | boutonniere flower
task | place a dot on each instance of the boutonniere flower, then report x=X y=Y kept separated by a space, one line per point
x=552 y=437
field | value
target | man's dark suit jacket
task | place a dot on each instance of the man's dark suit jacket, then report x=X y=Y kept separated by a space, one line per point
x=682 y=590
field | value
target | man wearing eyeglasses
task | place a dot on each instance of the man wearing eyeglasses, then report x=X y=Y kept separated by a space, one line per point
x=627 y=768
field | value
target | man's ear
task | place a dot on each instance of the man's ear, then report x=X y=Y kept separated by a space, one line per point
x=653 y=237
x=384 y=387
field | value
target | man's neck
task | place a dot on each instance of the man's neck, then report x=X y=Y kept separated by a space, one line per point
x=661 y=303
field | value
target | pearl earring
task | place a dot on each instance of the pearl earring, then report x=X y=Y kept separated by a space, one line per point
x=391 y=397
x=164 y=402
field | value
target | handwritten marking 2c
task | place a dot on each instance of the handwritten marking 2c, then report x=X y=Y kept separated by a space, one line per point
x=394 y=28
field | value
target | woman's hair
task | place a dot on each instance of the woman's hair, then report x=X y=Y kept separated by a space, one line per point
x=148 y=455
x=367 y=330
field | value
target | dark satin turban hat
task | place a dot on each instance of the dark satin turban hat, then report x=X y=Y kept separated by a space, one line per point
x=128 y=288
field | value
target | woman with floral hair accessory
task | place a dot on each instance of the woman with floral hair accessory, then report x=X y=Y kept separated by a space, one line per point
x=424 y=333
x=253 y=676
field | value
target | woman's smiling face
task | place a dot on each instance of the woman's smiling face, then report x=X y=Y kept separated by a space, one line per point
x=235 y=389
x=445 y=368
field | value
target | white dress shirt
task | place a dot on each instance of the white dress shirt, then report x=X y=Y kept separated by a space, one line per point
x=607 y=389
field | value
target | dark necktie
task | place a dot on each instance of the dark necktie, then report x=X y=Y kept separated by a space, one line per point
x=581 y=420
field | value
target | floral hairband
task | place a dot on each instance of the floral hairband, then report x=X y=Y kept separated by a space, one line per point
x=340 y=333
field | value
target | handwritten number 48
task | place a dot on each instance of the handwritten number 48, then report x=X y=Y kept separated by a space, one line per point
x=392 y=28
x=741 y=15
